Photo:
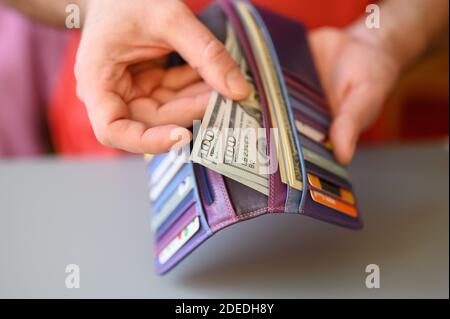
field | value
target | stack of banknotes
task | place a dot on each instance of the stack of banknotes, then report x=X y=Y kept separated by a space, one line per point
x=267 y=153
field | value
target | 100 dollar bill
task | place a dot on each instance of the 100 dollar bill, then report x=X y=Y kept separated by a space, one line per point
x=231 y=139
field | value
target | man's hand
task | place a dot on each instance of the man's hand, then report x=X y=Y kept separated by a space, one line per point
x=357 y=75
x=359 y=66
x=133 y=102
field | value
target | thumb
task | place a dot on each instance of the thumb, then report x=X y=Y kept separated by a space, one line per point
x=198 y=46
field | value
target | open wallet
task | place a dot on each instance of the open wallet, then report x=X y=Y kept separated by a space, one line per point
x=191 y=200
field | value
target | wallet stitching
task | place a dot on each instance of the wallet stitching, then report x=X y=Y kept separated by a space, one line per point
x=243 y=216
x=272 y=193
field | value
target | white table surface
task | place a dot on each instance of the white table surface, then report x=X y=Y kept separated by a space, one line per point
x=94 y=213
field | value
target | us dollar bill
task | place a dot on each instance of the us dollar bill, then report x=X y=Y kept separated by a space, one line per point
x=232 y=139
x=265 y=57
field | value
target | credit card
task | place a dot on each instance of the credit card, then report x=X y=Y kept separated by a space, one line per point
x=317 y=148
x=334 y=203
x=320 y=172
x=326 y=186
x=164 y=164
x=172 y=202
x=171 y=167
x=179 y=240
x=325 y=163
x=170 y=188
x=313 y=134
x=177 y=214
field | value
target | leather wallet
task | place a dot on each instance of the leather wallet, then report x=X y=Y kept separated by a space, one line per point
x=189 y=202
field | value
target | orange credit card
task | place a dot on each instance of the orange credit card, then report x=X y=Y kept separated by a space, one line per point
x=333 y=203
x=326 y=186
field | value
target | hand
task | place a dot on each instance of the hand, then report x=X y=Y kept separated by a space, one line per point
x=133 y=102
x=357 y=75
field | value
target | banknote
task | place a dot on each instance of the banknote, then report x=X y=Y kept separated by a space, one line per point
x=231 y=139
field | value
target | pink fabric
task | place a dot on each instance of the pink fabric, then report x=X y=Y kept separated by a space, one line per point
x=30 y=54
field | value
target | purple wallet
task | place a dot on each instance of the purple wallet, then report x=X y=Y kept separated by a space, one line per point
x=189 y=202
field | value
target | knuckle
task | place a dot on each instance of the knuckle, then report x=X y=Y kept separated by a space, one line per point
x=172 y=12
x=103 y=137
x=215 y=52
x=79 y=92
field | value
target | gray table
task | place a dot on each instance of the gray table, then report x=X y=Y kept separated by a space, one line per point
x=94 y=213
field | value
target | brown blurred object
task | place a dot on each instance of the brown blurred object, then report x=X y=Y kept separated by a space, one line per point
x=418 y=108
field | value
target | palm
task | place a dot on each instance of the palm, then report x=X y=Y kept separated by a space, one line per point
x=156 y=96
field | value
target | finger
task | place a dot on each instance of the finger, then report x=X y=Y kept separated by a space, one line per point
x=344 y=136
x=136 y=137
x=181 y=112
x=149 y=64
x=145 y=82
x=358 y=109
x=206 y=54
x=179 y=77
x=194 y=89
x=109 y=117
x=163 y=95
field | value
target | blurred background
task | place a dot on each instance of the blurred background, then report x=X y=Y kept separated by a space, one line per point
x=40 y=113
x=93 y=213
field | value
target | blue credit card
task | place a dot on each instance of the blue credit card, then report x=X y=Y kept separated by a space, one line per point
x=172 y=187
x=174 y=215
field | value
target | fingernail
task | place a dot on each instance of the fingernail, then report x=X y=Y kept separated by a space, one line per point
x=237 y=83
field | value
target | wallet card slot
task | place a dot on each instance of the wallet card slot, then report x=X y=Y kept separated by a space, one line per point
x=244 y=199
x=217 y=205
x=302 y=108
x=323 y=212
x=318 y=148
x=205 y=185
x=174 y=215
x=305 y=90
x=310 y=122
x=290 y=39
x=336 y=193
x=320 y=172
x=181 y=239
x=188 y=215
x=308 y=102
x=330 y=184
x=174 y=182
x=170 y=189
x=330 y=165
